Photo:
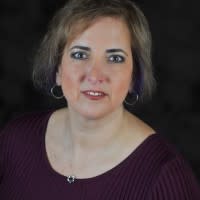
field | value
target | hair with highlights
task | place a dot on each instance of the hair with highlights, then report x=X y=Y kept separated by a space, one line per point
x=75 y=17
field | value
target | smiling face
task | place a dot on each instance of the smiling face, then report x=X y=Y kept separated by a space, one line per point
x=96 y=69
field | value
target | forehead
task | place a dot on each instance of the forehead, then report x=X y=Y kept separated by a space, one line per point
x=102 y=29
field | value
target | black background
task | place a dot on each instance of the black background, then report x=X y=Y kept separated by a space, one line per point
x=175 y=26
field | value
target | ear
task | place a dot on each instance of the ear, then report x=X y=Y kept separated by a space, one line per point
x=58 y=76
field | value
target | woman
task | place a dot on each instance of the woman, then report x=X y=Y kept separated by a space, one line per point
x=98 y=52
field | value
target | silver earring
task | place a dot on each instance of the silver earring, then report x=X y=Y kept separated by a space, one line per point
x=130 y=102
x=55 y=93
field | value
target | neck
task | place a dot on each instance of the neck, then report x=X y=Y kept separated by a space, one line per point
x=89 y=135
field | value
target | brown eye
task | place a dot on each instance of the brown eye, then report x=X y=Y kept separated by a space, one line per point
x=116 y=59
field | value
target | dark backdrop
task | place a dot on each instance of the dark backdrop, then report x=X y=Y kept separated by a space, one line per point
x=175 y=26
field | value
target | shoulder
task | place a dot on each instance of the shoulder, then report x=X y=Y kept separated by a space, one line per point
x=173 y=178
x=27 y=121
x=176 y=181
x=21 y=134
x=20 y=131
x=20 y=139
x=160 y=153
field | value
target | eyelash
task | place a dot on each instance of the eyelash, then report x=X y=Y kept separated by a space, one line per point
x=79 y=55
x=112 y=59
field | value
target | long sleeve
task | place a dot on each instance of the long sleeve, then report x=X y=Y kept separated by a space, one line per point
x=175 y=182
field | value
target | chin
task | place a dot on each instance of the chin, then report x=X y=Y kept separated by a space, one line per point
x=94 y=112
x=94 y=115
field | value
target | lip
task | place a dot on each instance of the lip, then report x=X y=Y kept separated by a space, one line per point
x=94 y=94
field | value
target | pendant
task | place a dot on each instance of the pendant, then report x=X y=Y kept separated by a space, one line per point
x=71 y=179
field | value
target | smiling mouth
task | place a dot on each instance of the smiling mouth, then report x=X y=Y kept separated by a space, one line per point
x=94 y=95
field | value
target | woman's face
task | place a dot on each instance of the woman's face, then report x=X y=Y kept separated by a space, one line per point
x=96 y=69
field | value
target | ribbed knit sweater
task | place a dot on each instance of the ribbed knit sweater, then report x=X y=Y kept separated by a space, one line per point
x=153 y=171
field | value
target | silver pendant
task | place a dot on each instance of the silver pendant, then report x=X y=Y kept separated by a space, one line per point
x=71 y=179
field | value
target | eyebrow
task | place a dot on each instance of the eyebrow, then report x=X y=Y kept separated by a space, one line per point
x=107 y=51
x=116 y=50
x=81 y=47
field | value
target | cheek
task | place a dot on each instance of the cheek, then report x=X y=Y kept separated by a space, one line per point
x=122 y=84
x=67 y=73
x=72 y=76
x=69 y=82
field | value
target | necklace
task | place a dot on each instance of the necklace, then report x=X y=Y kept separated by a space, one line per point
x=71 y=179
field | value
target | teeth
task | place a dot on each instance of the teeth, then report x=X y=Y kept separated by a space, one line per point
x=95 y=93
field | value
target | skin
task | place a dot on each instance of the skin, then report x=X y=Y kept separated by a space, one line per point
x=95 y=133
x=95 y=70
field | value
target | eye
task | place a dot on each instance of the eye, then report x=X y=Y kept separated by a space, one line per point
x=116 y=59
x=79 y=55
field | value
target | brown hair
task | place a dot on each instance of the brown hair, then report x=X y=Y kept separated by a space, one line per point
x=74 y=18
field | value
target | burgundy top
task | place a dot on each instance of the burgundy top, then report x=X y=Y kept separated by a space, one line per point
x=154 y=171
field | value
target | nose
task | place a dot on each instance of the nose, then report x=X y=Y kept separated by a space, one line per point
x=95 y=73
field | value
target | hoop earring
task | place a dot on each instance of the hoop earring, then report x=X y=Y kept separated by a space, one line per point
x=131 y=103
x=55 y=94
